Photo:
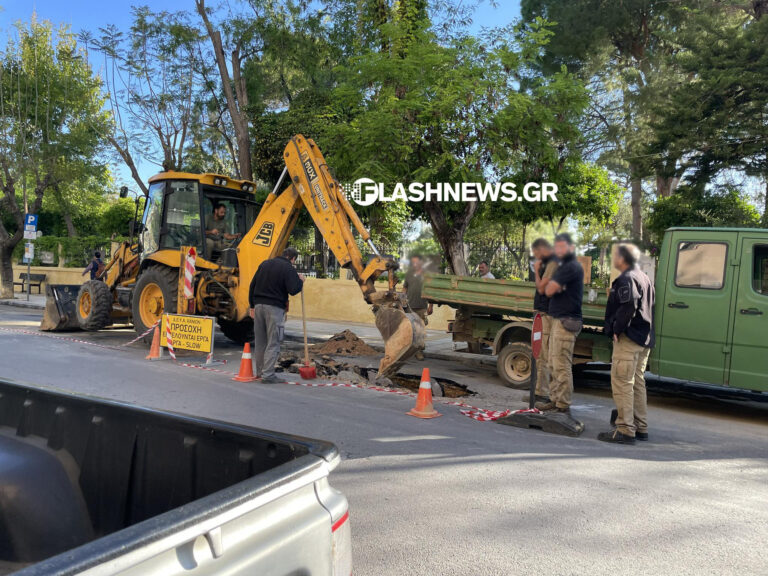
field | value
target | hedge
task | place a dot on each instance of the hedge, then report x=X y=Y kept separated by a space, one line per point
x=77 y=251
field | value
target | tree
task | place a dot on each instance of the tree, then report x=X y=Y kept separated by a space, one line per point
x=691 y=207
x=621 y=50
x=718 y=117
x=51 y=119
x=153 y=80
x=234 y=88
x=438 y=110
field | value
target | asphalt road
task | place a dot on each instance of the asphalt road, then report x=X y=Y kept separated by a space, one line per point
x=454 y=496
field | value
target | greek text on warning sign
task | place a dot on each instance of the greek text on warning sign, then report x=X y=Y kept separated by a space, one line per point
x=188 y=332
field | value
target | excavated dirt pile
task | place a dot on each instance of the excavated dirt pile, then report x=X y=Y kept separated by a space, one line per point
x=344 y=343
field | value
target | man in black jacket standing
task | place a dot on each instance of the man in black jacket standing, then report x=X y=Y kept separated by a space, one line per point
x=629 y=322
x=565 y=291
x=274 y=281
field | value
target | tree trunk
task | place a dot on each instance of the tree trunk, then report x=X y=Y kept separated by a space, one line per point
x=450 y=235
x=765 y=203
x=236 y=103
x=65 y=211
x=665 y=185
x=636 y=185
x=321 y=255
x=6 y=268
x=128 y=159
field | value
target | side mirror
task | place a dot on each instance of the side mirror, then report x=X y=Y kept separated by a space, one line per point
x=124 y=192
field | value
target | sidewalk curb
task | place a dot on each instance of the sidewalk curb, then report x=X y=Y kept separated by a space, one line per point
x=22 y=304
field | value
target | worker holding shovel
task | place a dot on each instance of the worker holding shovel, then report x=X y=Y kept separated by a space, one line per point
x=274 y=281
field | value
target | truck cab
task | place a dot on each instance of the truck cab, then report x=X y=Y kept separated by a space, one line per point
x=712 y=307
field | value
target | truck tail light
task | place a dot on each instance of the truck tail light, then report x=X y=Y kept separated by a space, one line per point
x=342 y=546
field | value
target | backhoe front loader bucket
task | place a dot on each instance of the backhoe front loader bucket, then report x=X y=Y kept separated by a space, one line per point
x=60 y=307
x=403 y=334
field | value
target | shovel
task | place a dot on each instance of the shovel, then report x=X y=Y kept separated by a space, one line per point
x=307 y=372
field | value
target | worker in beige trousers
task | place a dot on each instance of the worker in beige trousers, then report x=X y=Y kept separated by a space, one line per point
x=543 y=269
x=629 y=322
x=565 y=291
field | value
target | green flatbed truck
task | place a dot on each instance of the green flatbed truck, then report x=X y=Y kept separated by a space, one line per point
x=711 y=312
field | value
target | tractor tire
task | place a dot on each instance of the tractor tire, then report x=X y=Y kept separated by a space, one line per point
x=239 y=332
x=156 y=292
x=514 y=365
x=94 y=305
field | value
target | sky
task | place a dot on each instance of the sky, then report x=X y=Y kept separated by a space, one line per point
x=91 y=15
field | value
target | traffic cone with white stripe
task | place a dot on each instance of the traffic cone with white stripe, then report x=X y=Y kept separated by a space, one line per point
x=246 y=366
x=424 y=408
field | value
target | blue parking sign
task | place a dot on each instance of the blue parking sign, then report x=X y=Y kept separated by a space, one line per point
x=30 y=221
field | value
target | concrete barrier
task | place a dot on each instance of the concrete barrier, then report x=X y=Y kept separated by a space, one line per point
x=342 y=301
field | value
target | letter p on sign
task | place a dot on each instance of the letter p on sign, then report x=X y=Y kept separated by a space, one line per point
x=536 y=336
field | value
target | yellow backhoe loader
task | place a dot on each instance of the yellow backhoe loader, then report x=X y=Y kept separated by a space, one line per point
x=232 y=235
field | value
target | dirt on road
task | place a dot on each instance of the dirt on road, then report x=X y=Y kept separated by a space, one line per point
x=345 y=343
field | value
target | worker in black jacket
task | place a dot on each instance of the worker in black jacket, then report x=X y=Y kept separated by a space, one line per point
x=273 y=282
x=629 y=322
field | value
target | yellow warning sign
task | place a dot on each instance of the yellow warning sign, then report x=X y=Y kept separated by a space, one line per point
x=188 y=332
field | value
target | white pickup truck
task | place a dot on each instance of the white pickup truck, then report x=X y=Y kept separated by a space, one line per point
x=94 y=487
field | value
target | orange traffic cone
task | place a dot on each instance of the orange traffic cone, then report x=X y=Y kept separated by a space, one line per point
x=155 y=352
x=246 y=366
x=424 y=408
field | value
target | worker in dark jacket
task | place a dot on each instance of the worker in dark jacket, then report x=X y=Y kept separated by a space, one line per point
x=274 y=281
x=565 y=291
x=629 y=322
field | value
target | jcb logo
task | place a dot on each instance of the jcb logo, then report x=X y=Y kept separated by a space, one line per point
x=264 y=235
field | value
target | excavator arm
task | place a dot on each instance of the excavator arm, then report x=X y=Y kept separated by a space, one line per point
x=313 y=187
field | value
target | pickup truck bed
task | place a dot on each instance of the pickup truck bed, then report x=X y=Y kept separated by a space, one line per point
x=98 y=487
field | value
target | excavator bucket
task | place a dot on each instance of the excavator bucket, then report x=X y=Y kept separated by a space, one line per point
x=403 y=334
x=60 y=307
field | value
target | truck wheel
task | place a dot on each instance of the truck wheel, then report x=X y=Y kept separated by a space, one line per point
x=94 y=305
x=514 y=365
x=240 y=332
x=155 y=293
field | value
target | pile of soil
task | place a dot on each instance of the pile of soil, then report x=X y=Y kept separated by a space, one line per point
x=345 y=343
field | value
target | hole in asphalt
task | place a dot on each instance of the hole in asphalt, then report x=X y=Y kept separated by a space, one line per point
x=451 y=388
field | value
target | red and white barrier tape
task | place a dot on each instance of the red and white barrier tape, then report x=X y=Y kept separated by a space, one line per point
x=169 y=341
x=479 y=414
x=147 y=332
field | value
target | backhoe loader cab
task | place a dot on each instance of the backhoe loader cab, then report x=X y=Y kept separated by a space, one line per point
x=207 y=211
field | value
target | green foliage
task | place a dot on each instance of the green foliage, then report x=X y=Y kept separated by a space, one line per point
x=717 y=119
x=689 y=207
x=77 y=252
x=116 y=217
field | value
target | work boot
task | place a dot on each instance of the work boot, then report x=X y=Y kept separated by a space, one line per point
x=548 y=406
x=542 y=402
x=615 y=437
x=614 y=415
x=270 y=380
x=641 y=436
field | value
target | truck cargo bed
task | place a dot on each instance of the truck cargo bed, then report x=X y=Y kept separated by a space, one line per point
x=84 y=480
x=502 y=297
